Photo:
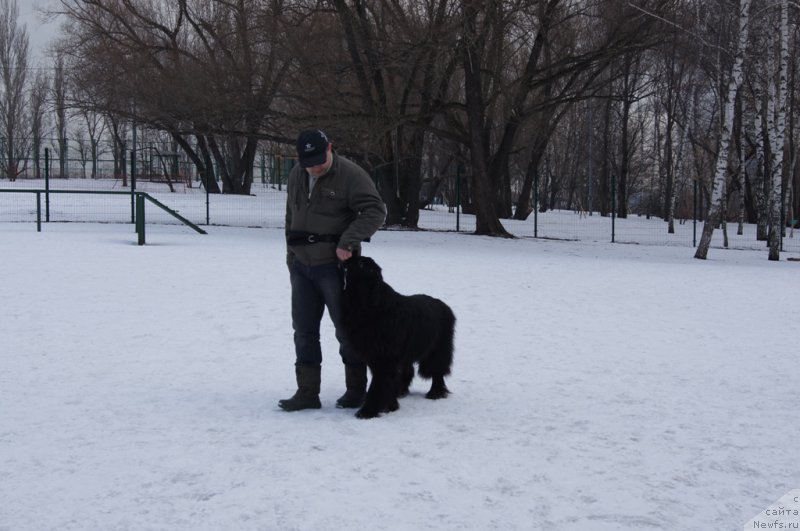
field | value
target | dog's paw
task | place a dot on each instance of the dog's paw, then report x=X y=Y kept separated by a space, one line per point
x=365 y=413
x=436 y=394
x=391 y=406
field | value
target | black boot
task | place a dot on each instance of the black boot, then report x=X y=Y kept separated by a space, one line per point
x=356 y=380
x=307 y=395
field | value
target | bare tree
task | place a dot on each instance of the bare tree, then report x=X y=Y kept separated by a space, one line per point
x=118 y=130
x=416 y=89
x=81 y=148
x=207 y=69
x=385 y=76
x=677 y=61
x=561 y=62
x=474 y=52
x=14 y=52
x=629 y=93
x=95 y=128
x=38 y=107
x=729 y=96
x=59 y=103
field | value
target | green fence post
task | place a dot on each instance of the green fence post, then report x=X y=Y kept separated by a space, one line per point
x=47 y=184
x=38 y=212
x=783 y=218
x=133 y=179
x=37 y=169
x=589 y=153
x=536 y=203
x=140 y=218
x=613 y=205
x=694 y=214
x=208 y=199
x=458 y=199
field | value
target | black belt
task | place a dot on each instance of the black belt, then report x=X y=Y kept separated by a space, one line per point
x=300 y=237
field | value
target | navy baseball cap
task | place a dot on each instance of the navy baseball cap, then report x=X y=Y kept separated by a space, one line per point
x=312 y=147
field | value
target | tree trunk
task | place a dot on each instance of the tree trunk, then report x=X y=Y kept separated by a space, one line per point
x=761 y=182
x=235 y=169
x=385 y=178
x=624 y=166
x=548 y=122
x=486 y=220
x=720 y=170
x=668 y=166
x=629 y=79
x=605 y=171
x=203 y=163
x=413 y=179
x=524 y=204
x=778 y=136
x=742 y=166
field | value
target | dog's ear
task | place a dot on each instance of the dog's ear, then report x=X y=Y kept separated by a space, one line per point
x=370 y=267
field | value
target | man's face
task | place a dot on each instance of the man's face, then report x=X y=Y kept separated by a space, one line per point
x=320 y=169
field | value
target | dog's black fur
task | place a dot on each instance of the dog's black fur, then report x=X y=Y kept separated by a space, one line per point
x=391 y=332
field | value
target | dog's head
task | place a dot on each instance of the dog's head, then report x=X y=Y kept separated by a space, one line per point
x=363 y=269
x=363 y=282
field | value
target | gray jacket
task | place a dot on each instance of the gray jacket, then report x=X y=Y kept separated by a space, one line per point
x=343 y=203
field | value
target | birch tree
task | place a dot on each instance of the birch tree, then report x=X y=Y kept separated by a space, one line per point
x=778 y=135
x=721 y=166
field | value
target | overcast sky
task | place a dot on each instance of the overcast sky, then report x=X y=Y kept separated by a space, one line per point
x=40 y=33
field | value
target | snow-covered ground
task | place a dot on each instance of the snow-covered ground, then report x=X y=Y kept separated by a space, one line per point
x=595 y=387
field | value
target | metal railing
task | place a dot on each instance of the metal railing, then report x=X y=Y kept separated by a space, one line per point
x=137 y=207
x=265 y=208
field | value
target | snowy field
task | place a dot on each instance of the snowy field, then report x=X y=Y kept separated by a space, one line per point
x=595 y=387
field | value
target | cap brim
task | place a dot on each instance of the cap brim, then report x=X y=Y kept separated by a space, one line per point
x=313 y=160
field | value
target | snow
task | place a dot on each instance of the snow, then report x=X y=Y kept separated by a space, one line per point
x=595 y=386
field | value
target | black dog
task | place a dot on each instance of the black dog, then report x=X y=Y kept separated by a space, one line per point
x=391 y=332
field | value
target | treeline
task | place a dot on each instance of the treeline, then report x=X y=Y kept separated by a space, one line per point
x=586 y=105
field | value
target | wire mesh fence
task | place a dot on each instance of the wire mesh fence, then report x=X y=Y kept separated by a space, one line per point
x=172 y=179
x=265 y=207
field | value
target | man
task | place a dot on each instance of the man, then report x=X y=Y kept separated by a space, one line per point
x=331 y=207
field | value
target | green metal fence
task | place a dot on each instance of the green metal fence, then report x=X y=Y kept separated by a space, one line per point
x=110 y=198
x=67 y=201
x=153 y=161
x=138 y=213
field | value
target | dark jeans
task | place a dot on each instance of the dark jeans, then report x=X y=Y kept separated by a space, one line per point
x=314 y=289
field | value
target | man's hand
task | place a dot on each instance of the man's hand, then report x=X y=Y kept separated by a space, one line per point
x=343 y=254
